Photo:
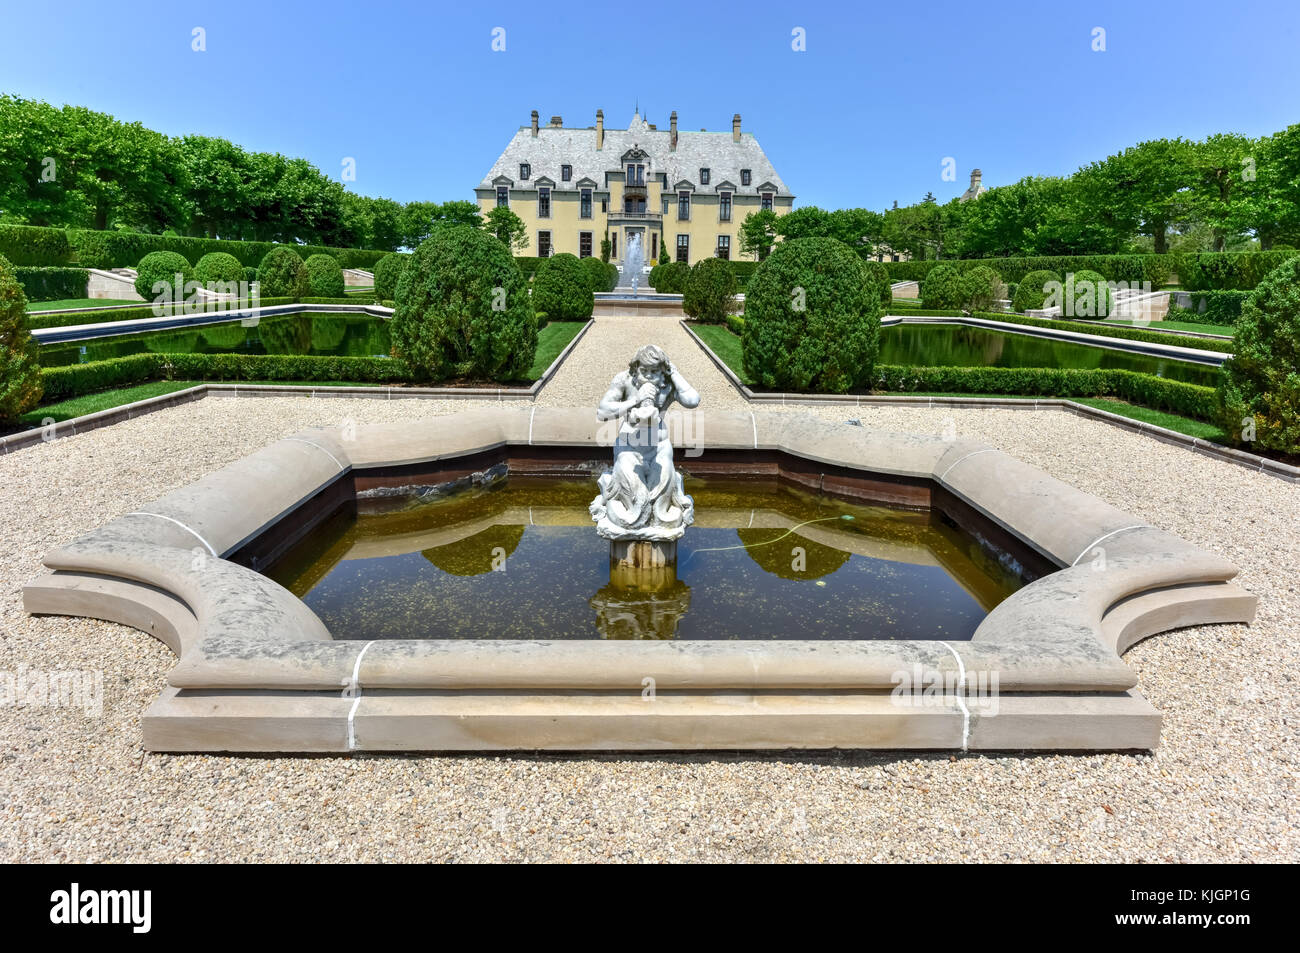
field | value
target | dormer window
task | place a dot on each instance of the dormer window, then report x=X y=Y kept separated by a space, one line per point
x=744 y=177
x=566 y=173
x=704 y=177
x=636 y=175
x=525 y=170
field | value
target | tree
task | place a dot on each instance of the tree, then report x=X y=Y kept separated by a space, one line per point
x=1141 y=190
x=508 y=227
x=20 y=369
x=757 y=235
x=1218 y=164
x=807 y=222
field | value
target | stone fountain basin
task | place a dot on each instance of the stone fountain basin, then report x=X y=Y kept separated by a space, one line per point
x=259 y=672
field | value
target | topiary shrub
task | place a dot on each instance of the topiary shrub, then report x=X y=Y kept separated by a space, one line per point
x=943 y=287
x=1032 y=290
x=324 y=276
x=562 y=288
x=161 y=266
x=984 y=287
x=387 y=271
x=217 y=266
x=669 y=279
x=598 y=274
x=1085 y=295
x=462 y=310
x=1259 y=388
x=282 y=274
x=20 y=368
x=710 y=291
x=880 y=276
x=812 y=319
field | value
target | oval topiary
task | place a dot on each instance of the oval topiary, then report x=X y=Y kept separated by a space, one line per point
x=598 y=273
x=984 y=287
x=20 y=368
x=880 y=275
x=943 y=288
x=462 y=309
x=1085 y=295
x=387 y=270
x=562 y=289
x=812 y=319
x=1033 y=289
x=161 y=266
x=1260 y=383
x=282 y=274
x=670 y=278
x=325 y=276
x=217 y=266
x=710 y=291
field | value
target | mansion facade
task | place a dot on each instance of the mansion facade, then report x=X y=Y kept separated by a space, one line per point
x=573 y=187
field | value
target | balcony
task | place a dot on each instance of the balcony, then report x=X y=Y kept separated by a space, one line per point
x=636 y=216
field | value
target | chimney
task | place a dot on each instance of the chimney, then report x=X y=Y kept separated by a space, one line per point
x=735 y=128
x=672 y=131
x=975 y=175
x=600 y=128
x=534 y=123
x=556 y=122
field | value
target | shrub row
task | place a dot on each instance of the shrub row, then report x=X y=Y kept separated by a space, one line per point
x=34 y=245
x=1211 y=307
x=52 y=284
x=1196 y=272
x=1104 y=330
x=1188 y=400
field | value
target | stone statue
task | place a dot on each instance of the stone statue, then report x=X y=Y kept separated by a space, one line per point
x=641 y=498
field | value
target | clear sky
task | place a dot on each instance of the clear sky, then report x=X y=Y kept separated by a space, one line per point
x=865 y=115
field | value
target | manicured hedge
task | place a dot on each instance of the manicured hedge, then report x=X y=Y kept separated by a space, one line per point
x=904 y=312
x=1107 y=330
x=1211 y=307
x=52 y=284
x=33 y=245
x=1222 y=271
x=528 y=264
x=669 y=278
x=324 y=276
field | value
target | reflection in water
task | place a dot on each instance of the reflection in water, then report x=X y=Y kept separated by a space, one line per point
x=627 y=613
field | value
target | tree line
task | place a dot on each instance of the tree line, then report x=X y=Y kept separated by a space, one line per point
x=1226 y=193
x=73 y=167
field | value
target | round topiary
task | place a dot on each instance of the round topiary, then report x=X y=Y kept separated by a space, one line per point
x=812 y=319
x=324 y=276
x=1033 y=289
x=943 y=288
x=670 y=278
x=1085 y=295
x=562 y=289
x=880 y=275
x=20 y=368
x=984 y=287
x=1259 y=390
x=462 y=310
x=217 y=266
x=387 y=270
x=282 y=274
x=161 y=266
x=598 y=273
x=710 y=292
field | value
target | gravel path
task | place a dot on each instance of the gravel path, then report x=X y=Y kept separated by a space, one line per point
x=1222 y=787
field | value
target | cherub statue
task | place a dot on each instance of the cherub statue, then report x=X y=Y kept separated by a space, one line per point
x=641 y=497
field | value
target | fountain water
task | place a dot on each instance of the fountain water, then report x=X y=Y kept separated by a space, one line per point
x=635 y=260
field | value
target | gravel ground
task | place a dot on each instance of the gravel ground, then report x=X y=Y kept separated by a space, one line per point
x=1222 y=786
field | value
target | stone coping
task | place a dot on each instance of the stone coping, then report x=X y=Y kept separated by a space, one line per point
x=259 y=671
x=1252 y=461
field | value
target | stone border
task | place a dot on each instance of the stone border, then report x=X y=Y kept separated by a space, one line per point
x=258 y=671
x=1252 y=461
x=113 y=415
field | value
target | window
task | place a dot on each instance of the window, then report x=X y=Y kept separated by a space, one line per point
x=665 y=205
x=724 y=206
x=613 y=244
x=704 y=177
x=543 y=244
x=584 y=244
x=683 y=206
x=767 y=201
x=503 y=196
x=543 y=202
x=724 y=246
x=635 y=175
x=525 y=170
x=604 y=205
x=744 y=177
x=684 y=248
x=584 y=207
x=566 y=173
x=654 y=246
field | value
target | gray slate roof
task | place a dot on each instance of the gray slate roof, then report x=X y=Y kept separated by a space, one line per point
x=715 y=151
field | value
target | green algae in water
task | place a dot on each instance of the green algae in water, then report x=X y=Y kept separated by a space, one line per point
x=521 y=560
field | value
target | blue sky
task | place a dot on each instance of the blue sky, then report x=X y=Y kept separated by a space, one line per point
x=866 y=115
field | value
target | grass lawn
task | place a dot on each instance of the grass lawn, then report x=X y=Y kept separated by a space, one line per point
x=551 y=340
x=1175 y=326
x=83 y=303
x=724 y=344
x=90 y=403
